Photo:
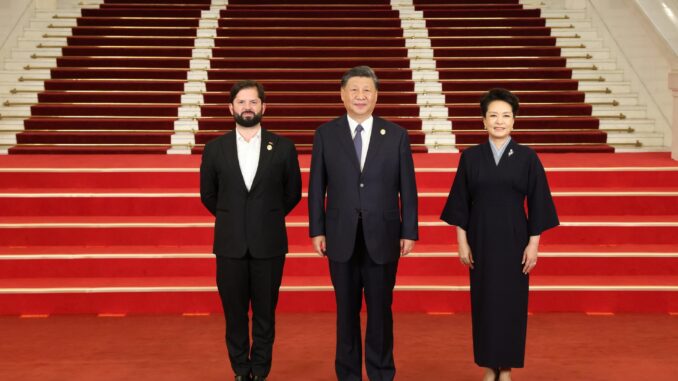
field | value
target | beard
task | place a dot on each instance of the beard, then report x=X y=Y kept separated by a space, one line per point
x=248 y=121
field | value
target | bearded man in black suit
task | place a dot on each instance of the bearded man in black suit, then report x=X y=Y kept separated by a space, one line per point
x=249 y=180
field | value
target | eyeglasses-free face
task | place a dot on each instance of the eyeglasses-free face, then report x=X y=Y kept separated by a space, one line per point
x=359 y=97
x=499 y=120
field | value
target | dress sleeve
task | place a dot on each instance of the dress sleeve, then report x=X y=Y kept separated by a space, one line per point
x=541 y=210
x=458 y=205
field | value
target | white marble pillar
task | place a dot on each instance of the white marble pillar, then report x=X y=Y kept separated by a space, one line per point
x=673 y=85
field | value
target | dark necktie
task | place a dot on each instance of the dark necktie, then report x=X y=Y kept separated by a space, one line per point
x=358 y=142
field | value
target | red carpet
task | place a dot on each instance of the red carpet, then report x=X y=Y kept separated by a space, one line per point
x=299 y=51
x=560 y=347
x=126 y=233
x=80 y=233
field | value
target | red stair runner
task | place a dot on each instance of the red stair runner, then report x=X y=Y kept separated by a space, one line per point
x=122 y=54
x=91 y=234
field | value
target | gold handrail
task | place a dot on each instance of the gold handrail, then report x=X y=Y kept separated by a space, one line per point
x=621 y=116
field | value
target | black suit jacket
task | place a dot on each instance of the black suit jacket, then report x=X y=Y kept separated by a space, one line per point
x=253 y=220
x=384 y=193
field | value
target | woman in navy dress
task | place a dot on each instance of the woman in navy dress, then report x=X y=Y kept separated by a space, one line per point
x=497 y=239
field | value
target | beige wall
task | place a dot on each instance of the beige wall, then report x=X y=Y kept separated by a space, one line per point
x=643 y=54
x=12 y=16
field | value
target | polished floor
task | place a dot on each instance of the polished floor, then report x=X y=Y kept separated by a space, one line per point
x=438 y=347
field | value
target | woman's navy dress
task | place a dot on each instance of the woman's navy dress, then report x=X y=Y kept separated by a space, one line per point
x=488 y=201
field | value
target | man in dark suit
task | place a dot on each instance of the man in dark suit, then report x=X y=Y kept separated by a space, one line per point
x=250 y=180
x=362 y=165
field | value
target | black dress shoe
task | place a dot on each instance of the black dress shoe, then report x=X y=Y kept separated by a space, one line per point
x=242 y=378
x=259 y=378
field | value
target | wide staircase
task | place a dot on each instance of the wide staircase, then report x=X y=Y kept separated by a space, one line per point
x=95 y=235
x=299 y=52
x=127 y=233
x=125 y=76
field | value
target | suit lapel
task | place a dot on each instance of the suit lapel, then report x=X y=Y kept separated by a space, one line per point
x=344 y=137
x=376 y=139
x=230 y=149
x=268 y=140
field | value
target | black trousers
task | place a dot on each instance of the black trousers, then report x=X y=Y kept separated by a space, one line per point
x=350 y=279
x=241 y=282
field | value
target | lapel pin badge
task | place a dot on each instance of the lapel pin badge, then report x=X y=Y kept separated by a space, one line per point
x=382 y=131
x=269 y=146
x=511 y=152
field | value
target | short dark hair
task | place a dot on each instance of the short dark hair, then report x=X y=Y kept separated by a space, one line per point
x=235 y=89
x=499 y=94
x=360 y=71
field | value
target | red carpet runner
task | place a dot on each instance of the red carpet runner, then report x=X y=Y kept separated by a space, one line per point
x=83 y=234
x=118 y=85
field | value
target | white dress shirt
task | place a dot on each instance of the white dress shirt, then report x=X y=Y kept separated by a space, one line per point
x=248 y=156
x=367 y=132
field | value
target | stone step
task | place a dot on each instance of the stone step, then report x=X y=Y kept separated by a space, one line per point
x=595 y=54
x=27 y=54
x=607 y=75
x=574 y=14
x=592 y=43
x=576 y=24
x=37 y=33
x=614 y=86
x=628 y=99
x=11 y=124
x=19 y=64
x=32 y=43
x=616 y=111
x=61 y=13
x=25 y=77
x=32 y=87
x=647 y=139
x=636 y=125
x=6 y=139
x=56 y=23
x=583 y=33
x=15 y=111
x=578 y=41
x=12 y=75
x=599 y=64
x=18 y=98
